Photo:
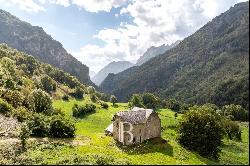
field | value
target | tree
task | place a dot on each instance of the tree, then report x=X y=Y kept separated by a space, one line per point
x=200 y=130
x=40 y=102
x=48 y=83
x=237 y=111
x=24 y=135
x=136 y=101
x=61 y=128
x=150 y=100
x=78 y=93
x=15 y=98
x=232 y=129
x=5 y=108
x=113 y=99
x=173 y=105
x=91 y=90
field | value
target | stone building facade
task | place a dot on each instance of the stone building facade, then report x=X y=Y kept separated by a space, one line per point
x=135 y=126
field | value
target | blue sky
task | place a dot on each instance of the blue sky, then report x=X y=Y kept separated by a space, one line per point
x=98 y=32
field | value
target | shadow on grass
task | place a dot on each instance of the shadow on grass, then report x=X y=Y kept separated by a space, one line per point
x=84 y=116
x=154 y=145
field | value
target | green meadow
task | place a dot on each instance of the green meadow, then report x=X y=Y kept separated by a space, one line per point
x=91 y=146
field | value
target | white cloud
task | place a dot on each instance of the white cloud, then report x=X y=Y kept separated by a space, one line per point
x=64 y=3
x=98 y=5
x=26 y=5
x=155 y=22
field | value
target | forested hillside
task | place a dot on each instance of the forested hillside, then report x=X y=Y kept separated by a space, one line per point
x=212 y=65
x=20 y=74
x=33 y=40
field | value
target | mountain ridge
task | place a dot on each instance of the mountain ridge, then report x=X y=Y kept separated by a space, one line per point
x=112 y=67
x=35 y=41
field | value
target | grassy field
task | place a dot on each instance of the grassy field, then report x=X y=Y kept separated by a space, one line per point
x=95 y=147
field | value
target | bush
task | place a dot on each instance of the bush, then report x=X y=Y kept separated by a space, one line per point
x=136 y=101
x=78 y=93
x=93 y=98
x=21 y=114
x=15 y=98
x=150 y=101
x=104 y=105
x=61 y=128
x=5 y=108
x=200 y=130
x=174 y=105
x=146 y=100
x=113 y=99
x=48 y=83
x=65 y=98
x=39 y=125
x=231 y=129
x=40 y=102
x=81 y=111
x=91 y=90
x=237 y=111
x=24 y=135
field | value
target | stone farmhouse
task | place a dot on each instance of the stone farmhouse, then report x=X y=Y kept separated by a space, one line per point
x=135 y=126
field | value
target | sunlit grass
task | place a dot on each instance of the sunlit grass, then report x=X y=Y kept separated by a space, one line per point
x=93 y=126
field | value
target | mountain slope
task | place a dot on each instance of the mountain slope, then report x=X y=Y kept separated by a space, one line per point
x=33 y=40
x=23 y=73
x=113 y=67
x=212 y=65
x=155 y=51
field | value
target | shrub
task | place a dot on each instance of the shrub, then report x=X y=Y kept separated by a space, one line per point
x=237 y=111
x=200 y=130
x=24 y=135
x=91 y=90
x=136 y=101
x=38 y=124
x=173 y=105
x=61 y=128
x=15 y=98
x=231 y=129
x=48 y=83
x=104 y=105
x=65 y=97
x=5 y=108
x=113 y=99
x=78 y=93
x=93 y=98
x=81 y=111
x=150 y=101
x=21 y=114
x=40 y=102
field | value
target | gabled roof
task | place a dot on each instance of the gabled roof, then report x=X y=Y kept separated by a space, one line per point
x=136 y=115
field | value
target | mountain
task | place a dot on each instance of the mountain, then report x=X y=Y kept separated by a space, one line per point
x=33 y=40
x=113 y=67
x=92 y=73
x=155 y=51
x=211 y=65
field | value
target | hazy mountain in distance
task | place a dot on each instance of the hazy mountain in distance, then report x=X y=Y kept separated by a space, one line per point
x=35 y=41
x=113 y=67
x=92 y=74
x=155 y=51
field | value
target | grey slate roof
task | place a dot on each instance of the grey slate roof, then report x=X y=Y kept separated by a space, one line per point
x=136 y=115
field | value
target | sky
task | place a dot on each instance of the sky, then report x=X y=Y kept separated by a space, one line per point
x=98 y=32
